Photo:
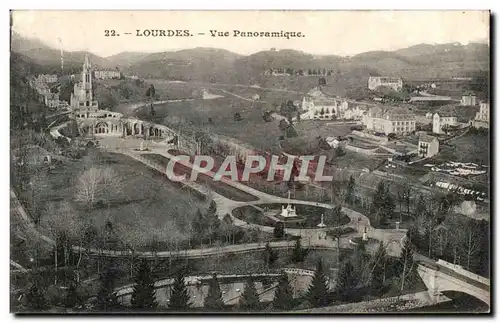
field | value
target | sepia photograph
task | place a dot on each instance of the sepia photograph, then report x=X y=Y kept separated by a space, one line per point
x=250 y=162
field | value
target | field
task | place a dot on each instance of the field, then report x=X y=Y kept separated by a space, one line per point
x=194 y=115
x=473 y=147
x=144 y=204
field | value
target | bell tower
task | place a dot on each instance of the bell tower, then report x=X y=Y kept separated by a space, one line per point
x=87 y=82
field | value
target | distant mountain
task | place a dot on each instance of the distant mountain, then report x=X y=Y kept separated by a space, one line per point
x=126 y=58
x=22 y=44
x=222 y=66
x=50 y=57
x=201 y=64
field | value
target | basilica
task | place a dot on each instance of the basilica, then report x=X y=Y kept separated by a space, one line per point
x=85 y=109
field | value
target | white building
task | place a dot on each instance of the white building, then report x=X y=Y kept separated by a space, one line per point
x=107 y=74
x=47 y=78
x=51 y=100
x=482 y=119
x=428 y=146
x=318 y=105
x=441 y=121
x=395 y=83
x=388 y=120
x=484 y=112
x=468 y=100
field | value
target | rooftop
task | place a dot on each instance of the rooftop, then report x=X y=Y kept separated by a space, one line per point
x=426 y=138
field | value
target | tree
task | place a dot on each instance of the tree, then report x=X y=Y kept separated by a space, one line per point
x=214 y=301
x=151 y=92
x=279 y=230
x=143 y=295
x=72 y=298
x=407 y=265
x=270 y=256
x=35 y=297
x=318 y=292
x=378 y=267
x=419 y=211
x=350 y=191
x=97 y=184
x=322 y=81
x=250 y=299
x=106 y=297
x=283 y=295
x=347 y=282
x=298 y=253
x=283 y=125
x=291 y=132
x=179 y=300
x=471 y=243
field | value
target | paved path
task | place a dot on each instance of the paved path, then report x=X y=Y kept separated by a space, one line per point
x=312 y=237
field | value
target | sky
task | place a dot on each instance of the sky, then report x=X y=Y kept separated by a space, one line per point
x=343 y=33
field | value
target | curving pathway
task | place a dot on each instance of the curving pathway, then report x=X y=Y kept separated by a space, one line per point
x=314 y=238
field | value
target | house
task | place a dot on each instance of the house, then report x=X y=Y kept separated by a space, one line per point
x=47 y=78
x=468 y=100
x=51 y=100
x=482 y=119
x=441 y=121
x=428 y=146
x=107 y=74
x=388 y=120
x=394 y=83
x=318 y=105
x=428 y=115
x=256 y=97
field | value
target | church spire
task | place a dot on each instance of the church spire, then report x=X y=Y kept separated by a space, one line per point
x=86 y=64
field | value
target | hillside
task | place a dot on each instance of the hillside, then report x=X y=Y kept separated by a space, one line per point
x=50 y=58
x=126 y=59
x=221 y=66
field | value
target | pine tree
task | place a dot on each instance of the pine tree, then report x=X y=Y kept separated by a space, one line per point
x=270 y=256
x=179 y=300
x=106 y=297
x=317 y=294
x=72 y=297
x=214 y=301
x=283 y=295
x=143 y=296
x=250 y=299
x=298 y=253
x=35 y=297
x=351 y=185
x=347 y=282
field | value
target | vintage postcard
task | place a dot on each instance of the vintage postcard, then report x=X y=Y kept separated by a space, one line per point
x=250 y=162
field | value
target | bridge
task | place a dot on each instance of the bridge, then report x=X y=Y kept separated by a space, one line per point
x=441 y=276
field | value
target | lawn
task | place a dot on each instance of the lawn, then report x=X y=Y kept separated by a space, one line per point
x=145 y=204
x=308 y=216
x=194 y=116
x=217 y=186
